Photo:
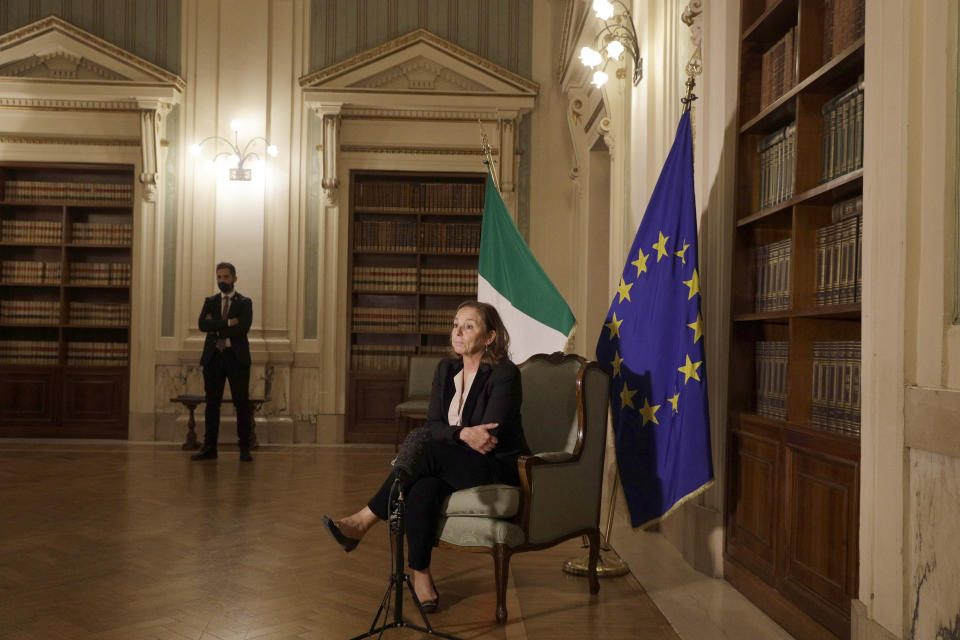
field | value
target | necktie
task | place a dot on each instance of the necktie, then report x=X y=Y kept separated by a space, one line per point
x=222 y=342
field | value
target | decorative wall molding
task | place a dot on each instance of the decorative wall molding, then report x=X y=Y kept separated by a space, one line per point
x=421 y=74
x=58 y=65
x=14 y=138
x=692 y=16
x=420 y=115
x=438 y=151
x=329 y=149
x=420 y=38
x=44 y=104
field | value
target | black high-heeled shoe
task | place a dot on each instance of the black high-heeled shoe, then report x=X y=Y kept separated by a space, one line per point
x=348 y=543
x=429 y=606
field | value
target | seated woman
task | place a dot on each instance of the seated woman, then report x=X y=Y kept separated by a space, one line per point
x=474 y=420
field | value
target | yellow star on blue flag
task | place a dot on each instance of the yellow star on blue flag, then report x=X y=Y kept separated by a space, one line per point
x=657 y=353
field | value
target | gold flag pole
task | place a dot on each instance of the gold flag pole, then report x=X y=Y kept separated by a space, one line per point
x=488 y=155
x=609 y=566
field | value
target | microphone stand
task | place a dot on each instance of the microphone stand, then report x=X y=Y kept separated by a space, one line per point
x=398 y=578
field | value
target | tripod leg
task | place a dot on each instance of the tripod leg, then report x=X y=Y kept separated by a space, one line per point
x=385 y=603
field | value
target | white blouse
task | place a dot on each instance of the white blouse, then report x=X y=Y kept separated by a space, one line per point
x=455 y=411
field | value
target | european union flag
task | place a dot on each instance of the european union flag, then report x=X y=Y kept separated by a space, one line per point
x=653 y=339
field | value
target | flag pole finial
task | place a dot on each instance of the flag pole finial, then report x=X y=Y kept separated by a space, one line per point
x=694 y=68
x=488 y=155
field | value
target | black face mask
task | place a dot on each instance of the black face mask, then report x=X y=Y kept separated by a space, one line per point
x=226 y=288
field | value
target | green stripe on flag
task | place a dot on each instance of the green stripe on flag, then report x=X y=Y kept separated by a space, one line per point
x=507 y=263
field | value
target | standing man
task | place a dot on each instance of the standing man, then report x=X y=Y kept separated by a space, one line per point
x=226 y=317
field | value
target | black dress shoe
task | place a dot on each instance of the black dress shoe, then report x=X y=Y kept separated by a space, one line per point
x=348 y=544
x=245 y=456
x=207 y=453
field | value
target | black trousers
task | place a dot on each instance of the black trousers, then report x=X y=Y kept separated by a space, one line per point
x=443 y=469
x=226 y=367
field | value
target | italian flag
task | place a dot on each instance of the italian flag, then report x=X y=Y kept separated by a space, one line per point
x=510 y=278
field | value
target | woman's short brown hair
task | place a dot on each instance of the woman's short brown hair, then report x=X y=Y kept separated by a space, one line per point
x=500 y=347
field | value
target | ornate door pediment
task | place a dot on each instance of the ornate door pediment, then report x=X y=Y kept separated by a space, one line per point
x=52 y=64
x=418 y=75
x=52 y=59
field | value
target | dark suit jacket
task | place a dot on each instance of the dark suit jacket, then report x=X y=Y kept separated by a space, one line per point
x=495 y=396
x=216 y=327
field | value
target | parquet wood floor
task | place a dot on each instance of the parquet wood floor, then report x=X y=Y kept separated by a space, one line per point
x=136 y=542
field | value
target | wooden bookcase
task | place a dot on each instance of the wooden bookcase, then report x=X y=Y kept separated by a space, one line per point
x=793 y=483
x=414 y=248
x=65 y=273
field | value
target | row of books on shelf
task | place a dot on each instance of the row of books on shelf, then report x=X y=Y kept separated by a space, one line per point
x=405 y=279
x=843 y=132
x=773 y=276
x=45 y=231
x=29 y=352
x=437 y=237
x=836 y=386
x=839 y=261
x=843 y=24
x=34 y=312
x=111 y=273
x=47 y=352
x=390 y=357
x=39 y=231
x=30 y=272
x=389 y=319
x=34 y=272
x=100 y=314
x=47 y=312
x=102 y=233
x=430 y=196
x=409 y=237
x=88 y=191
x=778 y=69
x=770 y=363
x=449 y=280
x=777 y=160
x=102 y=354
x=400 y=237
x=835 y=402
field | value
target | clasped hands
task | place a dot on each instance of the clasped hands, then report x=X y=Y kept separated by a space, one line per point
x=230 y=322
x=479 y=437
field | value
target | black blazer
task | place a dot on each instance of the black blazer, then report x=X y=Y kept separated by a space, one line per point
x=495 y=396
x=216 y=327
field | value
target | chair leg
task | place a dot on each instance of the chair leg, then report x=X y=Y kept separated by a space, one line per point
x=594 y=537
x=501 y=569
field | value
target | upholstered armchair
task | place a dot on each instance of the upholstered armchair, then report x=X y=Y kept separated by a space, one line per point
x=420 y=370
x=565 y=401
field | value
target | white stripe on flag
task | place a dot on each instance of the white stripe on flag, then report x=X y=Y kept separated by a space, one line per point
x=527 y=335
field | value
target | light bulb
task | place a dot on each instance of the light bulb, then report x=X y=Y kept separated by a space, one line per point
x=614 y=49
x=236 y=125
x=195 y=149
x=272 y=150
x=234 y=160
x=599 y=78
x=590 y=57
x=603 y=9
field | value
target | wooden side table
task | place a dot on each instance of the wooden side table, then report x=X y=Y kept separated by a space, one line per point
x=192 y=400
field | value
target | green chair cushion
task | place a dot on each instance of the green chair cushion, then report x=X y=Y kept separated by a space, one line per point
x=487 y=501
x=414 y=405
x=470 y=531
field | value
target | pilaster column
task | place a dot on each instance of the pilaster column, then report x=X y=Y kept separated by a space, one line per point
x=330 y=148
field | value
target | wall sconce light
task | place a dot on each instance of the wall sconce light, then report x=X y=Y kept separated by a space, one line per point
x=237 y=156
x=616 y=36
